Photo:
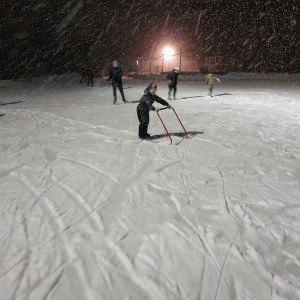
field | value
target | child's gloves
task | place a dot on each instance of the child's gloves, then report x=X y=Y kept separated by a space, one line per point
x=157 y=109
x=169 y=106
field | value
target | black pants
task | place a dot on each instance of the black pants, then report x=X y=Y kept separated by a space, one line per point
x=144 y=118
x=90 y=81
x=120 y=87
x=172 y=86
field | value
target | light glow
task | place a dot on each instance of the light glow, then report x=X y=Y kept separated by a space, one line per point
x=168 y=52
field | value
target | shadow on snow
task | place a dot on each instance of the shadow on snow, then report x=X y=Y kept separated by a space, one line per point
x=224 y=94
x=3 y=104
x=177 y=134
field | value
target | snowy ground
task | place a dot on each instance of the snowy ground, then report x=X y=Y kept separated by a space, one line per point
x=89 y=211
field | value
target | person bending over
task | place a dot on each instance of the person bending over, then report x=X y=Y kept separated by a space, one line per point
x=145 y=105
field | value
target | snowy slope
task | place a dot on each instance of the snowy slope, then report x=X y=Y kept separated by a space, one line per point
x=89 y=211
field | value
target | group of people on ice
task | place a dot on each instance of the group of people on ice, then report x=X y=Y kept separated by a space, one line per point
x=115 y=79
x=149 y=97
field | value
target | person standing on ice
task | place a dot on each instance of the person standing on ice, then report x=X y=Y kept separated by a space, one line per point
x=210 y=81
x=83 y=76
x=172 y=82
x=145 y=105
x=90 y=77
x=115 y=78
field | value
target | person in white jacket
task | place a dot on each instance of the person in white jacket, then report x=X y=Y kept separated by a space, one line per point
x=210 y=81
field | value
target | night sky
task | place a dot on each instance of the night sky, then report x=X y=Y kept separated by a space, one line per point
x=59 y=36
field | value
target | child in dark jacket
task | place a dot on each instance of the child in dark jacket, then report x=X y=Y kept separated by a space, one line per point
x=83 y=76
x=145 y=105
x=90 y=77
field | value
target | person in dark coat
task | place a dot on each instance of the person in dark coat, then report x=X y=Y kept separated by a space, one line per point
x=83 y=76
x=90 y=77
x=115 y=78
x=145 y=105
x=172 y=82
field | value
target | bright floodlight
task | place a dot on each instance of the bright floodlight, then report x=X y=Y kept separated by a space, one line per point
x=168 y=52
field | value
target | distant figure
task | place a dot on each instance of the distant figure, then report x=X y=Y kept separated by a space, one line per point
x=115 y=78
x=145 y=106
x=172 y=82
x=210 y=81
x=83 y=76
x=90 y=77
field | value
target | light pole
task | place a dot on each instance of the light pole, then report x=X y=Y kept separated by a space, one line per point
x=180 y=60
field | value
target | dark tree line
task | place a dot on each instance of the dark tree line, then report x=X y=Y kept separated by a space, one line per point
x=59 y=36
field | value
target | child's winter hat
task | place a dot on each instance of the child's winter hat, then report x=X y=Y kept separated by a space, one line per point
x=151 y=86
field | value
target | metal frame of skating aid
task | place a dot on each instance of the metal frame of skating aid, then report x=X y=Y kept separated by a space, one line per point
x=168 y=134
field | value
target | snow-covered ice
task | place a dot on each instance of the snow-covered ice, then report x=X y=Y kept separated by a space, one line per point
x=89 y=211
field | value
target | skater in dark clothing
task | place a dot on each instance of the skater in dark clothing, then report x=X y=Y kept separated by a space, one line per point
x=172 y=82
x=90 y=77
x=115 y=78
x=145 y=105
x=83 y=77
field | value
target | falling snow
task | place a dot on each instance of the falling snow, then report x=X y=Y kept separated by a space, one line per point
x=89 y=211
